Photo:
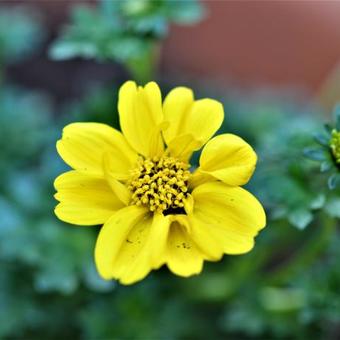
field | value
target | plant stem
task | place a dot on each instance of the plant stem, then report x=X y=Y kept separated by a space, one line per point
x=308 y=253
x=144 y=68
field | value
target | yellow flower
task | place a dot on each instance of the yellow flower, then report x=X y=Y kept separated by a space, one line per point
x=139 y=184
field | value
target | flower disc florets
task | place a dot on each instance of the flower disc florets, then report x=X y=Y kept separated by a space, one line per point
x=335 y=145
x=161 y=183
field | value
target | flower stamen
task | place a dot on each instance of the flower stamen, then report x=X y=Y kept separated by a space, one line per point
x=335 y=145
x=161 y=183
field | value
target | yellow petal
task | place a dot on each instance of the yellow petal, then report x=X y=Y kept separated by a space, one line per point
x=232 y=215
x=206 y=239
x=204 y=119
x=141 y=117
x=144 y=250
x=83 y=145
x=113 y=235
x=182 y=146
x=197 y=120
x=158 y=239
x=138 y=240
x=188 y=204
x=176 y=105
x=120 y=189
x=197 y=178
x=183 y=257
x=228 y=158
x=84 y=199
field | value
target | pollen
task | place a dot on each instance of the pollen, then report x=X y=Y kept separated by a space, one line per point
x=161 y=183
x=335 y=145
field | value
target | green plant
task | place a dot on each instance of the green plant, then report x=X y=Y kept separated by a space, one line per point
x=128 y=32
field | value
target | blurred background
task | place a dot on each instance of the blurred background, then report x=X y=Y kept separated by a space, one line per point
x=275 y=67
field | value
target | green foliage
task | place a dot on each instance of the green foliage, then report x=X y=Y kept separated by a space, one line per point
x=125 y=31
x=20 y=39
x=327 y=151
x=47 y=267
x=41 y=258
x=280 y=132
x=287 y=287
x=31 y=112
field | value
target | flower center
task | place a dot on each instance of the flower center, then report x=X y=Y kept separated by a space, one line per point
x=161 y=183
x=335 y=145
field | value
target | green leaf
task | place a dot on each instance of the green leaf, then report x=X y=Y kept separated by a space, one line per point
x=318 y=202
x=322 y=139
x=95 y=282
x=336 y=112
x=156 y=26
x=333 y=207
x=333 y=181
x=127 y=48
x=21 y=33
x=328 y=129
x=138 y=8
x=121 y=30
x=63 y=50
x=326 y=166
x=186 y=12
x=300 y=218
x=282 y=299
x=316 y=154
x=337 y=122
